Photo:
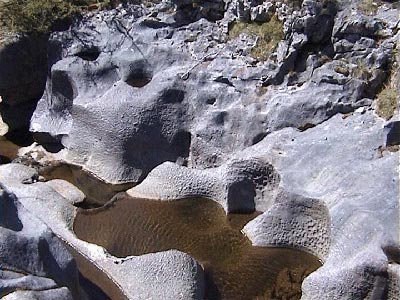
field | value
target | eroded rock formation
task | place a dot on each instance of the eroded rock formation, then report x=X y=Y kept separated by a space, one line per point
x=167 y=98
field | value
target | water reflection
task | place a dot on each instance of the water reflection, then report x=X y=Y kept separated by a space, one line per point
x=234 y=269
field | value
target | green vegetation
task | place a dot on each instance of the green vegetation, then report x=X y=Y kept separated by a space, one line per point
x=29 y=16
x=40 y=16
x=268 y=35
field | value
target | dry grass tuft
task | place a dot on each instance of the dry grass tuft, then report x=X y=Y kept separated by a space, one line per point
x=268 y=36
x=387 y=100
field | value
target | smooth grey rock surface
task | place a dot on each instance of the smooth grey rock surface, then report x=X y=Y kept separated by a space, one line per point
x=67 y=190
x=360 y=186
x=29 y=247
x=239 y=186
x=339 y=201
x=60 y=293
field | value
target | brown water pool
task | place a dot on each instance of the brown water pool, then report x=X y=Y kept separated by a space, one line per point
x=235 y=270
x=97 y=192
x=8 y=150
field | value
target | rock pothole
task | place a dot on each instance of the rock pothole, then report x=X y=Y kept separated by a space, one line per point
x=89 y=54
x=234 y=268
x=139 y=74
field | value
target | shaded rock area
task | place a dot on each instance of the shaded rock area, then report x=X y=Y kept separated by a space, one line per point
x=23 y=65
x=32 y=258
x=164 y=102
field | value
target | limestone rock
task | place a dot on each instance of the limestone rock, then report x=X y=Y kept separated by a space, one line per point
x=239 y=185
x=29 y=247
x=128 y=91
x=293 y=221
x=60 y=293
x=165 y=275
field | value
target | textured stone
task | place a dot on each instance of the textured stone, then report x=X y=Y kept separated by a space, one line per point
x=239 y=185
x=359 y=186
x=128 y=92
x=171 y=274
x=28 y=282
x=293 y=221
x=29 y=247
x=60 y=293
x=164 y=92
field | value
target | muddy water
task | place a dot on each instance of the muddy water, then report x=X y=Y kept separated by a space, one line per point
x=234 y=269
x=97 y=192
x=8 y=150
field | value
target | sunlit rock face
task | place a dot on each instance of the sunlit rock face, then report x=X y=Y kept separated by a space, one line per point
x=165 y=98
x=134 y=87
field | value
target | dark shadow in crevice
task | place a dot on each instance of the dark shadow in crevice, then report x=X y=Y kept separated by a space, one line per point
x=173 y=96
x=50 y=143
x=9 y=213
x=393 y=135
x=89 y=54
x=258 y=138
x=21 y=136
x=392 y=253
x=92 y=290
x=211 y=101
x=306 y=126
x=181 y=142
x=139 y=74
x=62 y=86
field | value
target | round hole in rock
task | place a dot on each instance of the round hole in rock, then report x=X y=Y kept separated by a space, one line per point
x=89 y=54
x=138 y=77
x=234 y=269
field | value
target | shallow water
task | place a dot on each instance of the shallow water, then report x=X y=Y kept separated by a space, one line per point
x=8 y=150
x=234 y=269
x=97 y=192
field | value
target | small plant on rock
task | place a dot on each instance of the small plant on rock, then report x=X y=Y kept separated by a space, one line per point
x=361 y=71
x=268 y=35
x=368 y=7
x=387 y=100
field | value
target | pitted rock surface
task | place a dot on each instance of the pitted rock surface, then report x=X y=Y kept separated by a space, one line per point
x=293 y=221
x=127 y=92
x=162 y=96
